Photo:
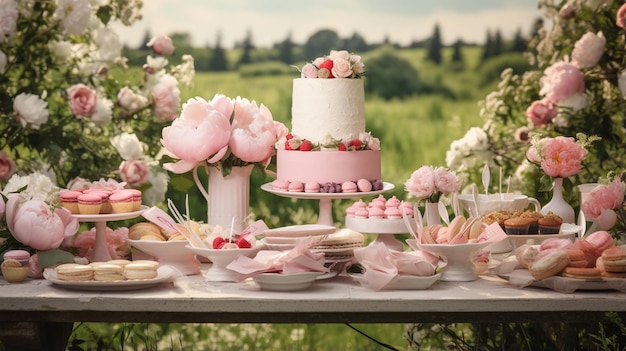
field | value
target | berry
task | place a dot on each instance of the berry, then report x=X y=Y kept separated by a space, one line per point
x=341 y=147
x=356 y=144
x=219 y=242
x=242 y=243
x=306 y=146
x=289 y=136
x=288 y=145
x=328 y=64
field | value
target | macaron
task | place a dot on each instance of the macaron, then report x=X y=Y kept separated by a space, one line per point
x=108 y=272
x=297 y=187
x=549 y=265
x=13 y=271
x=577 y=258
x=74 y=272
x=601 y=240
x=364 y=185
x=311 y=187
x=582 y=273
x=614 y=259
x=281 y=185
x=137 y=270
x=349 y=187
x=22 y=256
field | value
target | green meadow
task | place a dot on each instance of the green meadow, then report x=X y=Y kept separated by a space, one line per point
x=414 y=131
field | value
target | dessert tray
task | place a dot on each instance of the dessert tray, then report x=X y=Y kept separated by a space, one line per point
x=568 y=231
x=402 y=282
x=458 y=258
x=521 y=278
x=165 y=274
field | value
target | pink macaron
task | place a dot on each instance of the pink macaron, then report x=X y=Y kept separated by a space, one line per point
x=364 y=185
x=22 y=256
x=281 y=185
x=349 y=187
x=311 y=187
x=296 y=187
x=601 y=240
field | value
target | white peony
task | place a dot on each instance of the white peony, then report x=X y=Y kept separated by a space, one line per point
x=103 y=113
x=74 y=15
x=128 y=100
x=156 y=193
x=61 y=49
x=30 y=110
x=109 y=45
x=8 y=18
x=588 y=50
x=128 y=146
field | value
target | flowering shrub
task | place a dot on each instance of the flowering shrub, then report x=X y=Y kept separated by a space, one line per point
x=577 y=84
x=223 y=132
x=430 y=183
x=69 y=105
x=337 y=64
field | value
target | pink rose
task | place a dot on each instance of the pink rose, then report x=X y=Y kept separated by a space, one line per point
x=562 y=157
x=567 y=11
x=166 y=100
x=134 y=172
x=604 y=197
x=34 y=269
x=561 y=81
x=541 y=112
x=162 y=45
x=341 y=68
x=309 y=71
x=445 y=181
x=82 y=99
x=281 y=130
x=588 y=50
x=620 y=20
x=201 y=132
x=7 y=166
x=34 y=224
x=421 y=184
x=253 y=132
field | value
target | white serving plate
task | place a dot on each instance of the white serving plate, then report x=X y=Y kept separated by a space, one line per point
x=109 y=216
x=286 y=282
x=173 y=253
x=302 y=195
x=458 y=257
x=164 y=274
x=402 y=282
x=222 y=258
x=297 y=231
x=568 y=231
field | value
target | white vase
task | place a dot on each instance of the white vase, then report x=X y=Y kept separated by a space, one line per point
x=558 y=205
x=229 y=197
x=432 y=213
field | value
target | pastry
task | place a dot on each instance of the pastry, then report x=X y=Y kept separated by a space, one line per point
x=137 y=270
x=349 y=187
x=13 y=271
x=22 y=256
x=89 y=204
x=121 y=201
x=550 y=224
x=69 y=200
x=549 y=265
x=376 y=213
x=296 y=187
x=516 y=226
x=73 y=272
x=312 y=187
x=108 y=272
x=582 y=273
x=577 y=258
x=614 y=259
x=601 y=240
x=137 y=198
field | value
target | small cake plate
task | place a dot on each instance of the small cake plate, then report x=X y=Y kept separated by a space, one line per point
x=458 y=257
x=385 y=228
x=220 y=259
x=172 y=253
x=325 y=215
x=286 y=282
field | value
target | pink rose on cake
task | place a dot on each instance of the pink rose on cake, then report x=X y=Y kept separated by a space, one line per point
x=204 y=134
x=337 y=64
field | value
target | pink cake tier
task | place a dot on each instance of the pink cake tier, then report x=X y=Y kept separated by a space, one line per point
x=328 y=166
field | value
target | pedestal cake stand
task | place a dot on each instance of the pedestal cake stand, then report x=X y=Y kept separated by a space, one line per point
x=100 y=249
x=384 y=228
x=325 y=199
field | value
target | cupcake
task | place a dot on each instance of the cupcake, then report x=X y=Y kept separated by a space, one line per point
x=89 y=204
x=69 y=200
x=137 y=199
x=533 y=219
x=550 y=224
x=516 y=226
x=121 y=201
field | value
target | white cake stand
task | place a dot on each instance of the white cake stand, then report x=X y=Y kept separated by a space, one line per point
x=385 y=228
x=100 y=249
x=325 y=199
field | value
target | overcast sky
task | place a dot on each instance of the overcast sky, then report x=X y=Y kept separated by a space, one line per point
x=271 y=21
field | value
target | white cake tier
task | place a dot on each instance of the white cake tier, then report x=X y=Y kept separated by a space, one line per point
x=328 y=166
x=323 y=108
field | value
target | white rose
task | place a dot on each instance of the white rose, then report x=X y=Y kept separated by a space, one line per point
x=30 y=110
x=128 y=146
x=128 y=100
x=339 y=54
x=8 y=18
x=74 y=16
x=341 y=68
x=154 y=64
x=156 y=193
x=103 y=112
x=3 y=62
x=109 y=45
x=61 y=49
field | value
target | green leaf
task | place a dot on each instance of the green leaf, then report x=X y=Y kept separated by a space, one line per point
x=104 y=14
x=53 y=257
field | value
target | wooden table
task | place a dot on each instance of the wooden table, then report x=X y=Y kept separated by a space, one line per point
x=190 y=299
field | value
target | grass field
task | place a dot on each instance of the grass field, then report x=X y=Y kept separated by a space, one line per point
x=413 y=132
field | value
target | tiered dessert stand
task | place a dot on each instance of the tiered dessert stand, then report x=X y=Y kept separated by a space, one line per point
x=100 y=249
x=325 y=215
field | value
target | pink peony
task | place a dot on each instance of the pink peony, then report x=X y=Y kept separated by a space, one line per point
x=559 y=157
x=116 y=243
x=421 y=184
x=604 y=197
x=253 y=132
x=134 y=172
x=162 y=45
x=620 y=20
x=34 y=269
x=34 y=224
x=309 y=71
x=166 y=100
x=445 y=181
x=588 y=50
x=82 y=100
x=7 y=166
x=201 y=132
x=541 y=112
x=562 y=81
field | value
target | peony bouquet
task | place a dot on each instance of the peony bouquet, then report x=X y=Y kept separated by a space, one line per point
x=431 y=183
x=559 y=157
x=223 y=133
x=337 y=64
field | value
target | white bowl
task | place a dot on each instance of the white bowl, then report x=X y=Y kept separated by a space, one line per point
x=498 y=202
x=286 y=282
x=172 y=253
x=222 y=258
x=458 y=257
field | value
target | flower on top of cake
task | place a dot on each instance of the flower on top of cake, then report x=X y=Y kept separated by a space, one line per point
x=365 y=141
x=337 y=64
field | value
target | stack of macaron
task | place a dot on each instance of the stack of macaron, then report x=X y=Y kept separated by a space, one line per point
x=114 y=270
x=361 y=185
x=15 y=265
x=101 y=201
x=584 y=258
x=380 y=208
x=151 y=231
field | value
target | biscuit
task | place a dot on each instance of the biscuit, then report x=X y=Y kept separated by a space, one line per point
x=549 y=265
